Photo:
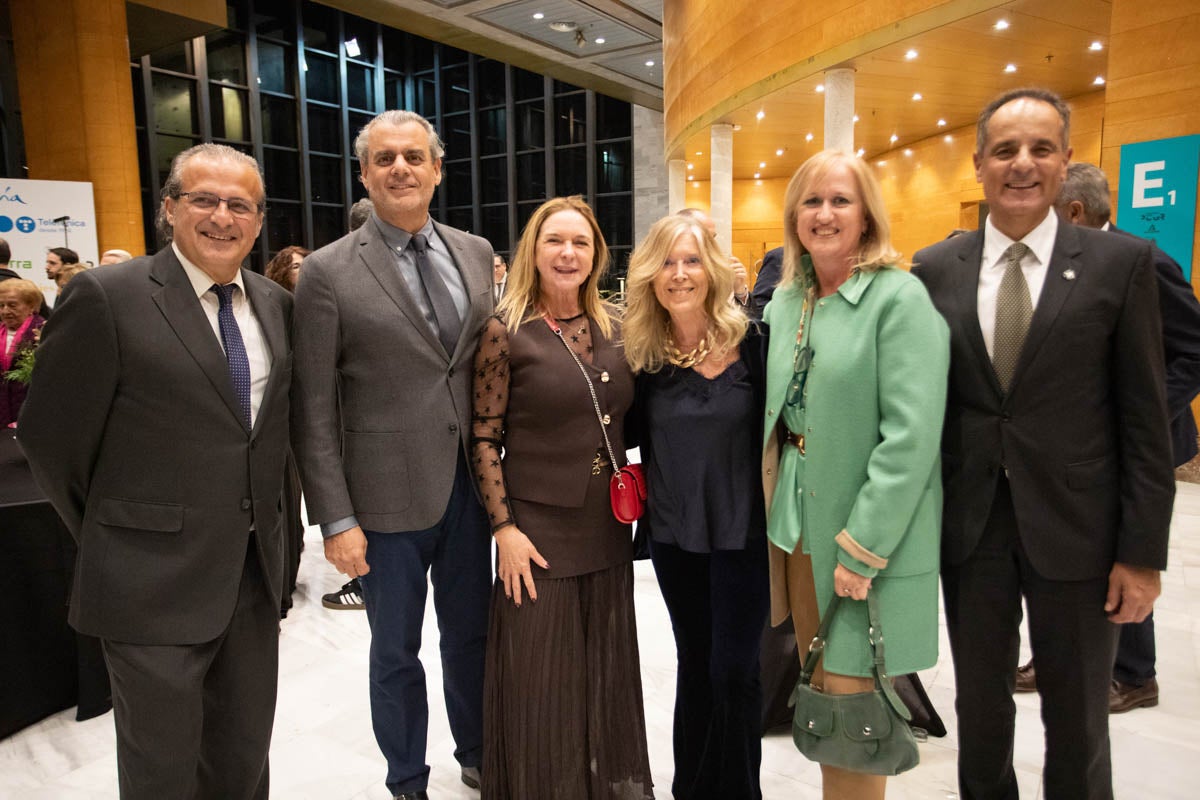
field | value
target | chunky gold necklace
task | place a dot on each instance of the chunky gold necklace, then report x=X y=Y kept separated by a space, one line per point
x=690 y=358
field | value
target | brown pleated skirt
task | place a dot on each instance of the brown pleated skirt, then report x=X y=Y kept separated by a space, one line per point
x=563 y=716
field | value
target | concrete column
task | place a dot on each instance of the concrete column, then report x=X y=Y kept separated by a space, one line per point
x=676 y=185
x=650 y=179
x=77 y=107
x=720 y=204
x=839 y=109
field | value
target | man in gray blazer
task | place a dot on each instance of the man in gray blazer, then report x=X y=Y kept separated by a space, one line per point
x=387 y=321
x=157 y=424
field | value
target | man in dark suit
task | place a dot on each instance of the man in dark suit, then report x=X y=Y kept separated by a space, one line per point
x=1084 y=200
x=1056 y=460
x=388 y=318
x=157 y=424
x=768 y=278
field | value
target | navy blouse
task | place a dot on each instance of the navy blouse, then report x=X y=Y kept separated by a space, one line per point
x=701 y=446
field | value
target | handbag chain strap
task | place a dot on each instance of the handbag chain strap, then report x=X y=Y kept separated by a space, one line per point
x=612 y=458
x=874 y=635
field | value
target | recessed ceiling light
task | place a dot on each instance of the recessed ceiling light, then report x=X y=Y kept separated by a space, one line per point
x=1001 y=25
x=808 y=138
x=947 y=138
x=758 y=175
x=779 y=152
x=917 y=96
x=600 y=40
x=758 y=183
x=907 y=152
x=893 y=139
x=563 y=26
x=649 y=63
x=1010 y=67
x=881 y=163
x=910 y=55
x=699 y=152
x=539 y=15
x=941 y=123
x=1099 y=80
x=860 y=152
x=856 y=117
x=691 y=165
x=1095 y=46
x=820 y=87
x=762 y=165
x=760 y=114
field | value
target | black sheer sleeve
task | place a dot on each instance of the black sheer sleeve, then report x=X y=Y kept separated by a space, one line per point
x=490 y=404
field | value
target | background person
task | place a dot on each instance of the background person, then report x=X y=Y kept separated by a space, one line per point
x=563 y=713
x=284 y=268
x=856 y=381
x=22 y=327
x=57 y=258
x=700 y=396
x=115 y=256
x=499 y=275
x=66 y=273
x=173 y=494
x=1058 y=474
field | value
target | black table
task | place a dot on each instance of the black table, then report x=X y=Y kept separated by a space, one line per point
x=44 y=665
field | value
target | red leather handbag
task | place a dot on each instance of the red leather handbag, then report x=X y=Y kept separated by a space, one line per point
x=627 y=491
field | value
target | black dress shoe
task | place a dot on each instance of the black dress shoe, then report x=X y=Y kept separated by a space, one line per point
x=1026 y=678
x=421 y=795
x=470 y=776
x=1124 y=697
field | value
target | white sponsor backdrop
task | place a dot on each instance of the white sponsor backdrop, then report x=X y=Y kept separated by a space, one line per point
x=27 y=213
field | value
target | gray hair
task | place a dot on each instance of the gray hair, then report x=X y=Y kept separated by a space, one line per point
x=173 y=187
x=397 y=117
x=1087 y=184
x=1033 y=93
x=360 y=212
x=123 y=255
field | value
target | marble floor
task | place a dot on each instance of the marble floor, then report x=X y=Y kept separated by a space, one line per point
x=323 y=748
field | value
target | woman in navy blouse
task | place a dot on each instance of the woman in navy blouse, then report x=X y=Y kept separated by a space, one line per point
x=698 y=414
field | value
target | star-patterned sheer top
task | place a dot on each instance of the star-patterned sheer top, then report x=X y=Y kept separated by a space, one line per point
x=492 y=363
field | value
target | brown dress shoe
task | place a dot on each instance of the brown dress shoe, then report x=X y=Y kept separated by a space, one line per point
x=1026 y=678
x=1124 y=697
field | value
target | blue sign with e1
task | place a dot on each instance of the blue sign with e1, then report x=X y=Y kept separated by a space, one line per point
x=1157 y=197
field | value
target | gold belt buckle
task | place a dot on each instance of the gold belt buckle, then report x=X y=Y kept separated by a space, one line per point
x=800 y=442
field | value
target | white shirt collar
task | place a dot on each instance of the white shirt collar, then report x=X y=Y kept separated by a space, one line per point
x=1040 y=241
x=201 y=281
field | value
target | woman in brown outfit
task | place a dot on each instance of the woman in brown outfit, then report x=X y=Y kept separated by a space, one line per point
x=563 y=711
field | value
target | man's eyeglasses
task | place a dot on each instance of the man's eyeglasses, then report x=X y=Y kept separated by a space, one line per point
x=207 y=201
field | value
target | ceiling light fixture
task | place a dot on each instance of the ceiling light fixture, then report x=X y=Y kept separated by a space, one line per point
x=1095 y=46
x=691 y=165
x=779 y=152
x=757 y=175
x=947 y=138
x=941 y=123
x=539 y=15
x=917 y=96
x=1010 y=67
x=820 y=88
x=910 y=55
x=893 y=139
x=760 y=114
x=699 y=152
x=881 y=163
x=907 y=152
x=1099 y=80
x=860 y=152
x=808 y=138
x=649 y=63
x=736 y=128
x=600 y=40
x=856 y=117
x=762 y=165
x=564 y=26
x=1001 y=25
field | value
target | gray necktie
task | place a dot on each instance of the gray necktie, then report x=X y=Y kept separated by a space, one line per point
x=449 y=325
x=1013 y=312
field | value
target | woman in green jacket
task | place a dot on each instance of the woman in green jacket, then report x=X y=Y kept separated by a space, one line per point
x=856 y=392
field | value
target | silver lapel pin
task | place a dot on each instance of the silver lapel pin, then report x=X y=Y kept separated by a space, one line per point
x=1069 y=274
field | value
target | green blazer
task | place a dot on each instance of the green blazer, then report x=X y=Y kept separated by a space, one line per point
x=866 y=492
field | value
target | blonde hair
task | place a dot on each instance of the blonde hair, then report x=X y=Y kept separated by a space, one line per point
x=876 y=250
x=25 y=291
x=646 y=322
x=66 y=273
x=523 y=295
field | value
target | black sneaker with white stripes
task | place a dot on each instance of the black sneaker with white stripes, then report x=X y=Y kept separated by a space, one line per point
x=348 y=597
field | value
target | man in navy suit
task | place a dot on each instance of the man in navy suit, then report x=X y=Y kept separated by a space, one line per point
x=1084 y=200
x=1056 y=458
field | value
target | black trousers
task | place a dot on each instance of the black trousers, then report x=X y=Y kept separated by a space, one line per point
x=1135 y=653
x=194 y=721
x=1073 y=645
x=718 y=604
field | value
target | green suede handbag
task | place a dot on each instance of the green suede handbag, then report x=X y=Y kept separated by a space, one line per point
x=865 y=732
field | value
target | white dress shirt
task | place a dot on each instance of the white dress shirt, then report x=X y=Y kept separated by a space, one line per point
x=257 y=352
x=1040 y=242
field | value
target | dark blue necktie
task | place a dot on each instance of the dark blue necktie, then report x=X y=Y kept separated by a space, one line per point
x=449 y=324
x=235 y=349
